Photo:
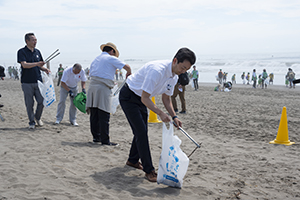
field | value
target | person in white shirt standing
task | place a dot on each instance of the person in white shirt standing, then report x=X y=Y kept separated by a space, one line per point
x=69 y=80
x=98 y=100
x=154 y=78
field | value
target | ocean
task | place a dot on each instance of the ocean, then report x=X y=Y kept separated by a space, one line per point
x=209 y=65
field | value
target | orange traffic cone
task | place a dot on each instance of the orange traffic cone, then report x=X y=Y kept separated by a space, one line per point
x=153 y=116
x=283 y=133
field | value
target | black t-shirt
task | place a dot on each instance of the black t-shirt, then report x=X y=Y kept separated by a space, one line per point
x=31 y=75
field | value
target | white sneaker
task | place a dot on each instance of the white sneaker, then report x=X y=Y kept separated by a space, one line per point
x=31 y=126
x=39 y=122
x=74 y=123
x=57 y=122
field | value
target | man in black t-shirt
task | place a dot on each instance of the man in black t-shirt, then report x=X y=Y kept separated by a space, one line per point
x=32 y=63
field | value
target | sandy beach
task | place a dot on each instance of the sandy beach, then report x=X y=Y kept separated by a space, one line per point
x=235 y=160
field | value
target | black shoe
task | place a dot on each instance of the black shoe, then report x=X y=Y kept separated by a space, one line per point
x=182 y=112
x=1 y=105
x=176 y=110
x=96 y=141
x=111 y=144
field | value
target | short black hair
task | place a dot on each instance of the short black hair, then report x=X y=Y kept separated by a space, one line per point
x=108 y=49
x=27 y=36
x=185 y=54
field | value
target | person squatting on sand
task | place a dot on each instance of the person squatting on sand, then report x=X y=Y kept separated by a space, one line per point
x=154 y=78
x=69 y=80
x=32 y=63
x=98 y=102
x=179 y=89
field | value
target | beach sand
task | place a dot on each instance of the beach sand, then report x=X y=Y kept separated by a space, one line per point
x=235 y=160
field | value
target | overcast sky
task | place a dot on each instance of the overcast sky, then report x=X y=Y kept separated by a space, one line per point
x=149 y=29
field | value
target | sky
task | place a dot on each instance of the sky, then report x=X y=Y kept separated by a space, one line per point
x=153 y=29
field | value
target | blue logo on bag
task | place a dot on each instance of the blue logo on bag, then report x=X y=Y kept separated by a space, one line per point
x=172 y=166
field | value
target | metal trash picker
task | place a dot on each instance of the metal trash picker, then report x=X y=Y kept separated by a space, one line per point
x=53 y=55
x=188 y=136
x=119 y=88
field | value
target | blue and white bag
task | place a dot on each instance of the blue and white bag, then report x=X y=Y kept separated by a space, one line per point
x=47 y=89
x=173 y=162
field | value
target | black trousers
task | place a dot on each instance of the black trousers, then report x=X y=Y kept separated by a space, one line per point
x=137 y=116
x=99 y=124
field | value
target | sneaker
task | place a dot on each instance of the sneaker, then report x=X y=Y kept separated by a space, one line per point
x=39 y=122
x=176 y=110
x=1 y=105
x=137 y=165
x=31 y=126
x=182 y=112
x=111 y=144
x=152 y=176
x=57 y=122
x=74 y=123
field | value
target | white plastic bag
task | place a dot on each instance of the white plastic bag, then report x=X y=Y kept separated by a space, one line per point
x=173 y=162
x=114 y=100
x=47 y=89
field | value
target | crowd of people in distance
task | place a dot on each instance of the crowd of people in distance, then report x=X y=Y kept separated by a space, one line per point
x=261 y=80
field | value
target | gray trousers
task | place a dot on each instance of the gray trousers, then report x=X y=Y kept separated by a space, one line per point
x=31 y=90
x=62 y=105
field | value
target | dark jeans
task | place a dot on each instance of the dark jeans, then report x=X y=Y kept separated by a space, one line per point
x=99 y=124
x=254 y=83
x=196 y=83
x=137 y=116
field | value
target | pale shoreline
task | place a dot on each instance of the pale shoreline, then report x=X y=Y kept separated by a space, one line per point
x=235 y=159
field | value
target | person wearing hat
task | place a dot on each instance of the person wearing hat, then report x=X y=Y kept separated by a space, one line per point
x=98 y=102
x=154 y=78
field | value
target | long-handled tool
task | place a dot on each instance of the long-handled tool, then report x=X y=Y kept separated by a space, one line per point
x=119 y=88
x=188 y=136
x=53 y=55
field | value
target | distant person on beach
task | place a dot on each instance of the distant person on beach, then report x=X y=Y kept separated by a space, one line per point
x=121 y=74
x=195 y=76
x=220 y=76
x=60 y=72
x=259 y=81
x=117 y=74
x=271 y=76
x=233 y=79
x=264 y=77
x=69 y=80
x=291 y=76
x=98 y=100
x=254 y=78
x=248 y=78
x=243 y=77
x=32 y=63
x=154 y=78
x=2 y=73
x=179 y=89
x=225 y=77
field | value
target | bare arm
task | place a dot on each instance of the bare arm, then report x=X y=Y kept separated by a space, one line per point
x=148 y=102
x=64 y=85
x=168 y=105
x=128 y=69
x=31 y=65
x=82 y=84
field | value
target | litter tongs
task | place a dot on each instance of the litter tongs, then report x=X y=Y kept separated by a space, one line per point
x=53 y=55
x=188 y=136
